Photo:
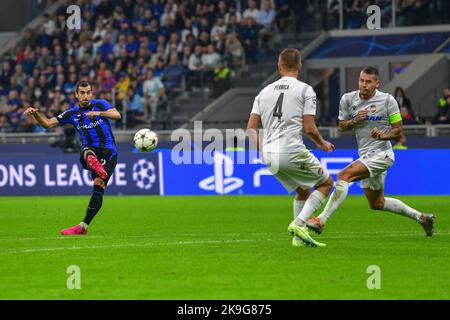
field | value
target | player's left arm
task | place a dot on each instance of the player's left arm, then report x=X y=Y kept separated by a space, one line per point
x=395 y=132
x=395 y=120
x=112 y=114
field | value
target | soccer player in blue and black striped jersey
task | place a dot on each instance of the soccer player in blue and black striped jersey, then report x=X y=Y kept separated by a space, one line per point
x=92 y=118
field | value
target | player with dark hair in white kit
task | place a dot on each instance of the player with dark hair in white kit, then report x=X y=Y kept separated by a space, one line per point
x=376 y=119
x=285 y=109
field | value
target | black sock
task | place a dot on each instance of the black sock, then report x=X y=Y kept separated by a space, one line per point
x=95 y=204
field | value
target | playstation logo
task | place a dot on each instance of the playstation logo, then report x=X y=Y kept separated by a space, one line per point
x=222 y=182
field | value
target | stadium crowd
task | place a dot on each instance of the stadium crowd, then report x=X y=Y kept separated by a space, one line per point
x=139 y=54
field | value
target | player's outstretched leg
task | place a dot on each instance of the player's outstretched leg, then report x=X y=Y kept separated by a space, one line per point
x=379 y=202
x=94 y=206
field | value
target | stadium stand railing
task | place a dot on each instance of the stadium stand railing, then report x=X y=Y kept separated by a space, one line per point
x=126 y=136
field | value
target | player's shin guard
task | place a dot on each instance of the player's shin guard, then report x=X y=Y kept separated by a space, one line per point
x=313 y=203
x=94 y=204
x=298 y=206
x=337 y=197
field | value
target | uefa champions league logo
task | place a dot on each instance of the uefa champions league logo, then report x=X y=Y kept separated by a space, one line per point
x=144 y=174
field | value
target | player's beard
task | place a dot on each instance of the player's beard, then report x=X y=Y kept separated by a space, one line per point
x=85 y=103
x=366 y=93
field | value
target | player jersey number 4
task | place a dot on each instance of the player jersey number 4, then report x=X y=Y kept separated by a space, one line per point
x=281 y=106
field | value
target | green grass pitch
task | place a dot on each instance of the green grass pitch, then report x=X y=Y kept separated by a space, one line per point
x=218 y=247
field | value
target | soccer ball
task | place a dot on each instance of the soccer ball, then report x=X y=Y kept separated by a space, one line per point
x=145 y=140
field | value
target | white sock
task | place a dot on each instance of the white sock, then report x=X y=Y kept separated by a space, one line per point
x=396 y=206
x=313 y=203
x=83 y=225
x=337 y=197
x=298 y=206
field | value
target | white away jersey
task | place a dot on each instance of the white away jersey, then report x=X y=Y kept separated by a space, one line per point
x=383 y=110
x=281 y=106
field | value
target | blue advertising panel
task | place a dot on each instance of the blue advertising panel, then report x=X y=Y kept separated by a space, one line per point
x=63 y=174
x=415 y=172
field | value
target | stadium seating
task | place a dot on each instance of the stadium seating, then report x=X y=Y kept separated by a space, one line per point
x=121 y=40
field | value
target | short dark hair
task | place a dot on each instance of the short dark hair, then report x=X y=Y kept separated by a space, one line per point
x=290 y=58
x=371 y=71
x=82 y=83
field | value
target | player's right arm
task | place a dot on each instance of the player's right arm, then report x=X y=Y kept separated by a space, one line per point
x=309 y=122
x=310 y=128
x=345 y=121
x=41 y=118
x=346 y=125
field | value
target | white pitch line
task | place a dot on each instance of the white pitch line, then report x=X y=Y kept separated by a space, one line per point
x=155 y=235
x=193 y=242
x=138 y=245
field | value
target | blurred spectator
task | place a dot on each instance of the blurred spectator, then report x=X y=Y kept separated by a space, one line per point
x=29 y=39
x=252 y=10
x=220 y=43
x=412 y=12
x=189 y=28
x=249 y=38
x=400 y=143
x=14 y=121
x=232 y=12
x=172 y=76
x=265 y=20
x=234 y=51
x=122 y=85
x=195 y=67
x=233 y=25
x=222 y=78
x=132 y=102
x=219 y=27
x=5 y=73
x=211 y=58
x=443 y=115
x=405 y=107
x=29 y=124
x=48 y=24
x=108 y=82
x=402 y=100
x=4 y=125
x=283 y=13
x=154 y=92
x=159 y=67
x=185 y=57
x=407 y=116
